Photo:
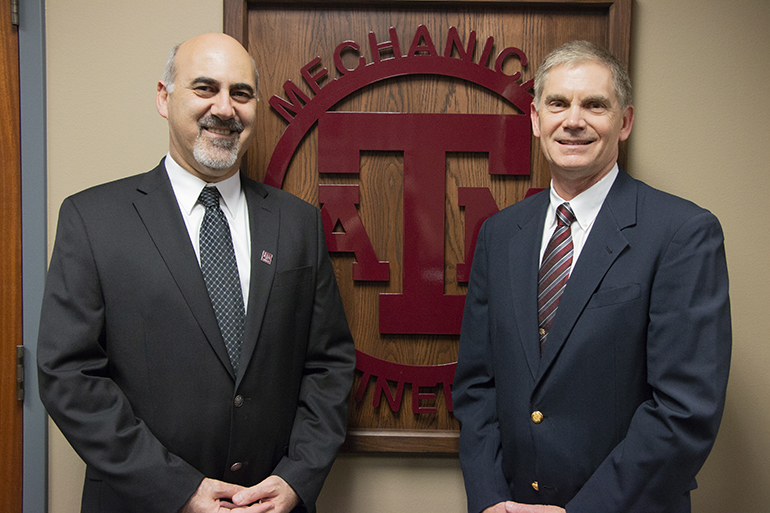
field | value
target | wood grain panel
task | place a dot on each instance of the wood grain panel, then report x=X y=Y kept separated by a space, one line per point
x=284 y=36
x=10 y=269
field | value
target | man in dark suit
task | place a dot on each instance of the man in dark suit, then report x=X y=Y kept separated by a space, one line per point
x=177 y=395
x=604 y=394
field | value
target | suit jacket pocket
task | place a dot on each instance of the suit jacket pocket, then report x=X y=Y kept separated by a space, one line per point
x=294 y=276
x=614 y=295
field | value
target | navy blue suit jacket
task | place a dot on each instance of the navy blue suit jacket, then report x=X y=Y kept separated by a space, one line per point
x=133 y=368
x=631 y=383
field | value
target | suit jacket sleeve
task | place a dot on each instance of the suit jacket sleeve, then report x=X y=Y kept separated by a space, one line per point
x=77 y=391
x=688 y=357
x=320 y=421
x=473 y=393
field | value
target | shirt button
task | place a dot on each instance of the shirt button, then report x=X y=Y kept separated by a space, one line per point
x=236 y=467
x=537 y=417
x=541 y=331
x=238 y=401
x=536 y=486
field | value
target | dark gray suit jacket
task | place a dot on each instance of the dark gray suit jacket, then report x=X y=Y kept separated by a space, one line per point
x=631 y=384
x=133 y=368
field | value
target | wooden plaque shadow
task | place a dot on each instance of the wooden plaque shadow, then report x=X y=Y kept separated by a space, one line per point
x=400 y=400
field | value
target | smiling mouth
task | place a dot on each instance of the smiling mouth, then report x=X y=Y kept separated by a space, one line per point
x=220 y=127
x=575 y=143
x=219 y=131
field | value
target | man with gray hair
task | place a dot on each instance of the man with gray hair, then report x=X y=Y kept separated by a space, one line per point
x=596 y=336
x=193 y=345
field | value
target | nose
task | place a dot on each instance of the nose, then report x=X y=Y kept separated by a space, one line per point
x=574 y=118
x=222 y=105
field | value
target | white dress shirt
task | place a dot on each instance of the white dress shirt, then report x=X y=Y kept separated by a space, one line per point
x=187 y=187
x=585 y=206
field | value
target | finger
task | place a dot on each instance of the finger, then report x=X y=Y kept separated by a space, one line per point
x=249 y=496
x=515 y=507
x=273 y=491
x=267 y=489
x=257 y=507
x=221 y=490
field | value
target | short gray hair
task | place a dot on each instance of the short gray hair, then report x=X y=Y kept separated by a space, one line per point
x=169 y=74
x=572 y=53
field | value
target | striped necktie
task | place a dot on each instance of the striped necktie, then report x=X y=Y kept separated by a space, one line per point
x=554 y=271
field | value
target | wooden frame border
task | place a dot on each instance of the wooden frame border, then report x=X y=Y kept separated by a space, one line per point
x=619 y=42
x=619 y=11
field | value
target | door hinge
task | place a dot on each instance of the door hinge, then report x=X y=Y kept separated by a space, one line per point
x=19 y=373
x=15 y=12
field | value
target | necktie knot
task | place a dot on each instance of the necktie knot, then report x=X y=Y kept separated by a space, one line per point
x=564 y=215
x=209 y=197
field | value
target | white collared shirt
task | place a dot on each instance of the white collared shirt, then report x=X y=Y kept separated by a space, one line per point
x=585 y=206
x=187 y=187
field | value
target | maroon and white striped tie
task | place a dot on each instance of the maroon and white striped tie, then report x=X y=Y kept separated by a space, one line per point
x=554 y=271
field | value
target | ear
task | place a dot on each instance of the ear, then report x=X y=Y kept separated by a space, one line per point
x=533 y=115
x=161 y=99
x=628 y=122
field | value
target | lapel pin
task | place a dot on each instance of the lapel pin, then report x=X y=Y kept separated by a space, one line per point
x=267 y=257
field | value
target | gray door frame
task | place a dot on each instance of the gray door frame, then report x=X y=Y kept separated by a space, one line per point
x=34 y=243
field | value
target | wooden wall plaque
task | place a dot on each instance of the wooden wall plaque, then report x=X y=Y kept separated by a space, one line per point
x=407 y=123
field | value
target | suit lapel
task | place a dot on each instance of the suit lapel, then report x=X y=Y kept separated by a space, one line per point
x=523 y=261
x=264 y=218
x=159 y=211
x=604 y=244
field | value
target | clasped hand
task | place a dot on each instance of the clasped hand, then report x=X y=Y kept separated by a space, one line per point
x=212 y=496
x=515 y=507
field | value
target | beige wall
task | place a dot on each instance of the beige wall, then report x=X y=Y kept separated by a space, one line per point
x=700 y=77
x=702 y=89
x=104 y=60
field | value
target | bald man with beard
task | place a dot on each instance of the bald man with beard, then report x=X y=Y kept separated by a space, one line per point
x=172 y=404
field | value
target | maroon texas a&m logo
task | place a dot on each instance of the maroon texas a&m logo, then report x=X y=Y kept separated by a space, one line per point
x=425 y=139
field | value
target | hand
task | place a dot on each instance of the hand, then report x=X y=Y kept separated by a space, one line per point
x=273 y=494
x=497 y=508
x=515 y=507
x=208 y=497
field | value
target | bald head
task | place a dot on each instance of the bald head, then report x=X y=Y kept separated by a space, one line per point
x=222 y=42
x=209 y=97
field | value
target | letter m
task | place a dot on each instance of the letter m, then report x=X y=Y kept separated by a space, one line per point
x=295 y=96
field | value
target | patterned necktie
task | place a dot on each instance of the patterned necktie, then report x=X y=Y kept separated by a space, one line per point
x=220 y=273
x=554 y=271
